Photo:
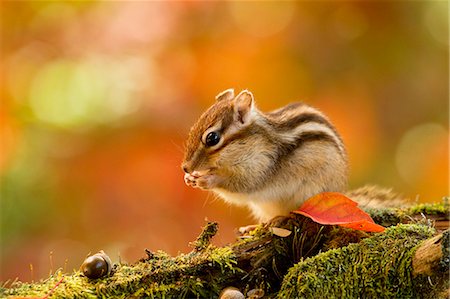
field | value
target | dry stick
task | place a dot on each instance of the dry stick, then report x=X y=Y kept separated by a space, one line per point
x=432 y=255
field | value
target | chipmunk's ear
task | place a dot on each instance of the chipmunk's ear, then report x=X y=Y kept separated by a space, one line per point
x=243 y=106
x=225 y=95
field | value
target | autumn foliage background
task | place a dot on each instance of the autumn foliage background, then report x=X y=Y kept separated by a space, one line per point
x=97 y=99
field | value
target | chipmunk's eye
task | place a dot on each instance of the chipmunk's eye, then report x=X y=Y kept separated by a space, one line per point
x=212 y=138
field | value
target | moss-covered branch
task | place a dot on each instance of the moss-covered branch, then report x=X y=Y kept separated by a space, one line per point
x=377 y=267
x=312 y=259
x=436 y=214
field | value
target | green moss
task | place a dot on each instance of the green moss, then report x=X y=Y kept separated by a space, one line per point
x=377 y=267
x=208 y=232
x=386 y=217
x=442 y=208
x=70 y=286
x=392 y=216
x=193 y=275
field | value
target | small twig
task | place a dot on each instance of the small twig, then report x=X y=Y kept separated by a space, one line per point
x=53 y=289
x=209 y=231
x=51 y=262
x=32 y=272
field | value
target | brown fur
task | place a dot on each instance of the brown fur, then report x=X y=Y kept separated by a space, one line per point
x=269 y=162
x=220 y=111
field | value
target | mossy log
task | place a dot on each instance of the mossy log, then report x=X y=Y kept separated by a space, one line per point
x=305 y=260
x=383 y=266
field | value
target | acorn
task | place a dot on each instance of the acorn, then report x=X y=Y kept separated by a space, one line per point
x=231 y=293
x=97 y=265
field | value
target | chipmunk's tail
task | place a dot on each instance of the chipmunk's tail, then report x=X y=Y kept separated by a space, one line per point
x=377 y=197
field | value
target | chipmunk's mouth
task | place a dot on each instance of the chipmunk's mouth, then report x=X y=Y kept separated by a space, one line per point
x=202 y=179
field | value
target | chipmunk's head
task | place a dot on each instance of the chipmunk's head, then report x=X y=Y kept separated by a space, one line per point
x=218 y=131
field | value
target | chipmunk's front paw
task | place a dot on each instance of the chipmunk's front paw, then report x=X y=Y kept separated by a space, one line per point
x=203 y=181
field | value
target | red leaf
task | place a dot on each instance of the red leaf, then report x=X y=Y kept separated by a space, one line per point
x=364 y=225
x=336 y=209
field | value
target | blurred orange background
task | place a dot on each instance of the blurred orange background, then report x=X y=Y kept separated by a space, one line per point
x=98 y=98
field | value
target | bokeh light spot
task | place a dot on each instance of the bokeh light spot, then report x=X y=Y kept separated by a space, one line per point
x=73 y=94
x=436 y=20
x=64 y=93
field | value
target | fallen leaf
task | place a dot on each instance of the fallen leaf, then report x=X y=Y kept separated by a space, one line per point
x=364 y=225
x=280 y=232
x=334 y=208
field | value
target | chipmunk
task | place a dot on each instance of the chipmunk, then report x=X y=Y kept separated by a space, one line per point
x=270 y=162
